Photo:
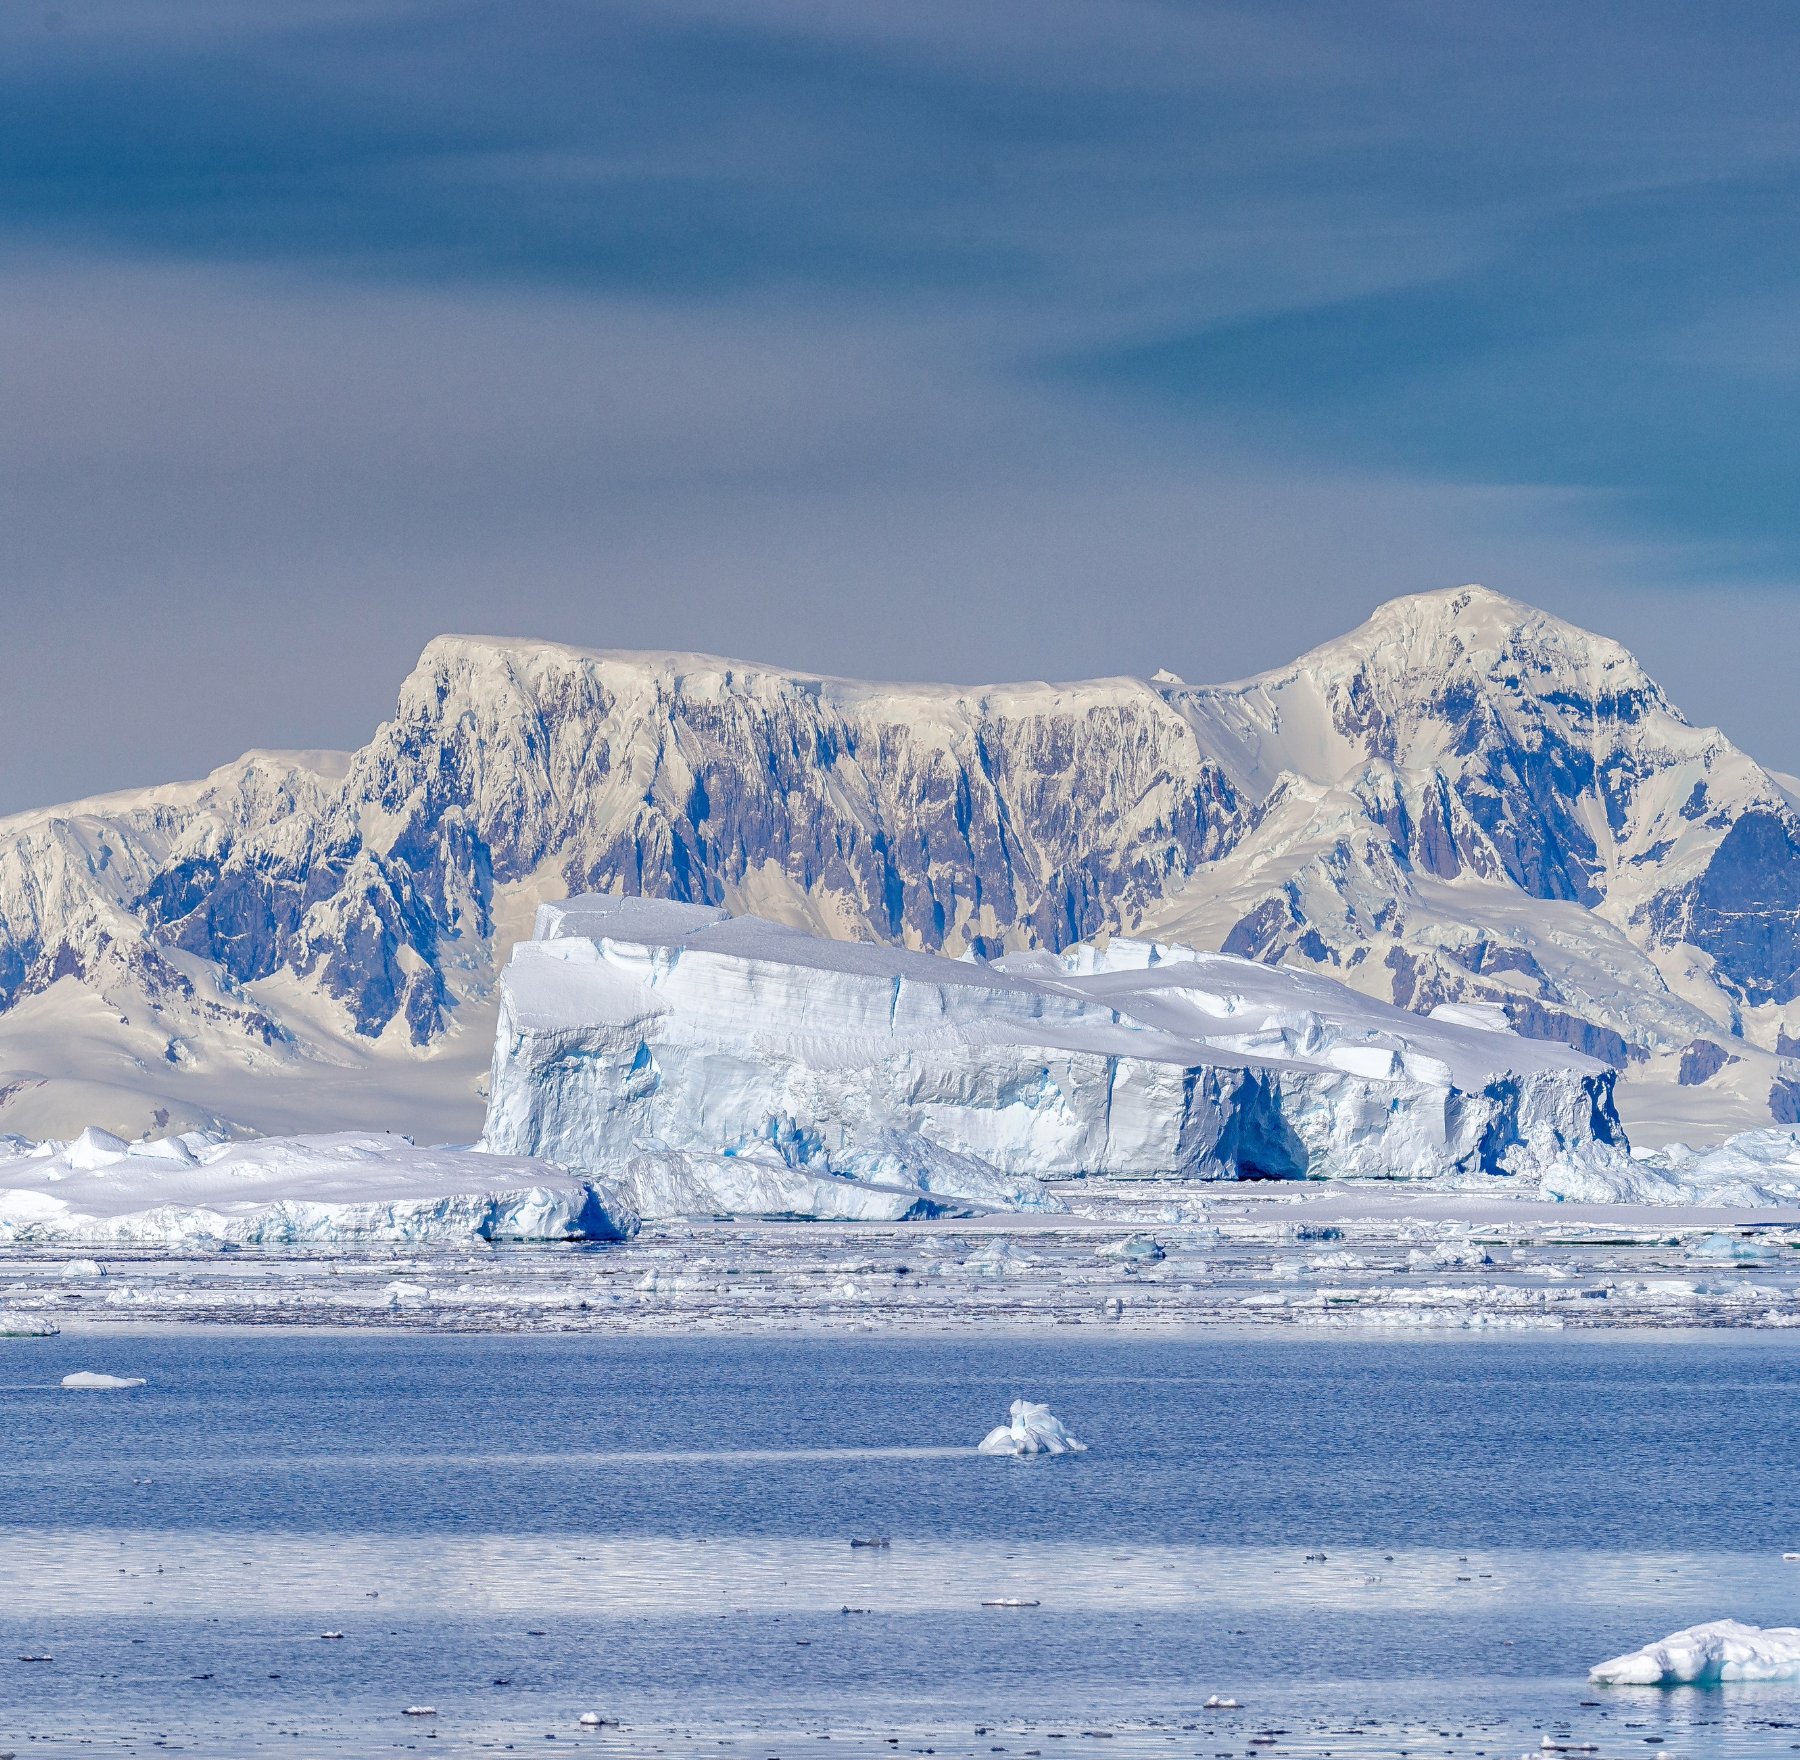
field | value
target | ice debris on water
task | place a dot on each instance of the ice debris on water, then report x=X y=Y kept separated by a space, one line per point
x=1723 y=1650
x=1033 y=1429
x=1135 y=1249
x=87 y=1379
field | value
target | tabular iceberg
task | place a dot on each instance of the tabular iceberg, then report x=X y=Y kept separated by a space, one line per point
x=280 y=1191
x=1031 y=1429
x=1722 y=1650
x=633 y=1028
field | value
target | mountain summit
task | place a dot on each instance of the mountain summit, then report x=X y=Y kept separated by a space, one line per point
x=1465 y=799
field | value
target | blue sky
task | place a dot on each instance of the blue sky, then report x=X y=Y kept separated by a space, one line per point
x=949 y=341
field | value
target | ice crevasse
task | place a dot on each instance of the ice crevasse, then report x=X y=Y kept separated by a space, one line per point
x=675 y=1048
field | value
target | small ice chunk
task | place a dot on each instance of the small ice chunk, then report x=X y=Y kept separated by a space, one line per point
x=87 y=1378
x=1033 y=1430
x=26 y=1326
x=83 y=1270
x=1135 y=1249
x=1001 y=1258
x=1723 y=1650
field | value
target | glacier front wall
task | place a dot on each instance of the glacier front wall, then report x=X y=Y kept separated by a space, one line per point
x=610 y=1048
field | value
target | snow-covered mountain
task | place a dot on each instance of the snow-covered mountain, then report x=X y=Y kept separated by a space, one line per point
x=1465 y=799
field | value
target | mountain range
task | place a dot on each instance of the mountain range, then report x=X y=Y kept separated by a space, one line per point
x=1464 y=799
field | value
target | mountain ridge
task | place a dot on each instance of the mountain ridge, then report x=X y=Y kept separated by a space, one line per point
x=1462 y=799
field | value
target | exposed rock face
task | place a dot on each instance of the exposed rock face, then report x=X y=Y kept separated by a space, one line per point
x=1464 y=799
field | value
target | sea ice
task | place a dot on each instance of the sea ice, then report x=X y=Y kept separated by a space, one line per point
x=1135 y=1249
x=1032 y=1430
x=87 y=1379
x=1723 y=1650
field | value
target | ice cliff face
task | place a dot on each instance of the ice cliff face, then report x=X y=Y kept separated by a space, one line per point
x=633 y=1029
x=1464 y=799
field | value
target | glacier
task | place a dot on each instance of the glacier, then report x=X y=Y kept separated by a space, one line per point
x=344 y=1187
x=647 y=1041
x=1722 y=1650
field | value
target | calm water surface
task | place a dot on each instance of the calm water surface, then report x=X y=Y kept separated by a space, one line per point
x=515 y=1531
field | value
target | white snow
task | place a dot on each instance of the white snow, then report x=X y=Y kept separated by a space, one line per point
x=86 y=1378
x=1723 y=1650
x=1032 y=1429
x=631 y=1027
x=343 y=1186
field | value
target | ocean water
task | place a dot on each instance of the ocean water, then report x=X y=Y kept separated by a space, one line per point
x=1394 y=1548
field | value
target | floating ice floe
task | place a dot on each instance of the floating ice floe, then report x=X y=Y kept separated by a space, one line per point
x=344 y=1186
x=638 y=1028
x=86 y=1378
x=999 y=1258
x=1032 y=1430
x=26 y=1326
x=1723 y=1650
x=1135 y=1249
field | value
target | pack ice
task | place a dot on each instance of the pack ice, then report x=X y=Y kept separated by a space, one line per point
x=1723 y=1650
x=661 y=1044
x=346 y=1186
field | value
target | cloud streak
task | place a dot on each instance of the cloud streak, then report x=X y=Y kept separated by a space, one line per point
x=947 y=340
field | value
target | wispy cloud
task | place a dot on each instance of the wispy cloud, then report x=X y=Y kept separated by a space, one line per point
x=960 y=340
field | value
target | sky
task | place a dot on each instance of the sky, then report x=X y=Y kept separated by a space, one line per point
x=956 y=341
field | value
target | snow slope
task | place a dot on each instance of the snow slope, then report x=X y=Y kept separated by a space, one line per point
x=1464 y=799
x=633 y=1027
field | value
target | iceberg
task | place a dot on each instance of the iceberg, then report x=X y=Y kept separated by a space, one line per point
x=1723 y=1650
x=1135 y=1249
x=1755 y=1170
x=635 y=1027
x=344 y=1186
x=1032 y=1429
x=86 y=1378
